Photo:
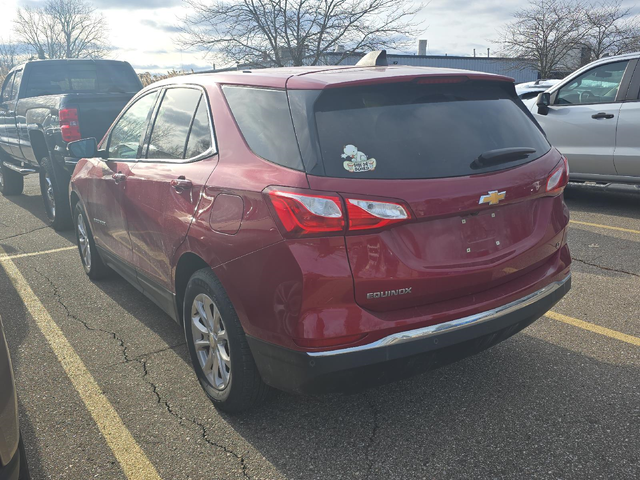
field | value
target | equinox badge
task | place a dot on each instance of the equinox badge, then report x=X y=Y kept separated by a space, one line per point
x=492 y=198
x=389 y=293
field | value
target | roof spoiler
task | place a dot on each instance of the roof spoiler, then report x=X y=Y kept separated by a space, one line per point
x=374 y=59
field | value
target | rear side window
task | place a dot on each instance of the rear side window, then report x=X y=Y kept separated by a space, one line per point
x=171 y=128
x=405 y=131
x=52 y=78
x=265 y=122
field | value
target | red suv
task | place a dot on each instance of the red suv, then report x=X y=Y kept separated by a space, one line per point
x=322 y=229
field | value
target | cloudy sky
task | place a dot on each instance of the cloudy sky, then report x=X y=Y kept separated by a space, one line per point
x=143 y=31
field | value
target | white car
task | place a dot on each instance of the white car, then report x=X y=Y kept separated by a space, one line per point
x=593 y=118
x=529 y=91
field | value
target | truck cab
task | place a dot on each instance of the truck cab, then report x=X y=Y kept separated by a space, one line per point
x=46 y=104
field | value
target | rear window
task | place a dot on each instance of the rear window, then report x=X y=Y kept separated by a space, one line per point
x=53 y=78
x=265 y=122
x=418 y=131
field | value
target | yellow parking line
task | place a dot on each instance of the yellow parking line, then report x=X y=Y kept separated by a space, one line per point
x=628 y=230
x=33 y=254
x=130 y=456
x=607 y=332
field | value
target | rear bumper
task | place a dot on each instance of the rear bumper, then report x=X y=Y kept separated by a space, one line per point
x=402 y=354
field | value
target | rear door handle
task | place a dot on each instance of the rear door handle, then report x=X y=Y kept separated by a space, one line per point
x=600 y=115
x=181 y=184
x=119 y=177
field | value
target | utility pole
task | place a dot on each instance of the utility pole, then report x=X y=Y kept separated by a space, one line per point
x=488 y=51
x=474 y=53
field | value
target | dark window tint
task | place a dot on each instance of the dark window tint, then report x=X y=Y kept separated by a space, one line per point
x=50 y=78
x=171 y=127
x=200 y=136
x=421 y=131
x=265 y=122
x=126 y=136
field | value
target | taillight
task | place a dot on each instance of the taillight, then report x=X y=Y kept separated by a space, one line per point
x=368 y=215
x=559 y=178
x=69 y=126
x=321 y=213
x=308 y=215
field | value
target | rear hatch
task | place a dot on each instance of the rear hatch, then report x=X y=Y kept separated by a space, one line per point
x=466 y=162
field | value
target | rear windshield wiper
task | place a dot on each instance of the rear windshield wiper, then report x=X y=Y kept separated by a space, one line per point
x=502 y=155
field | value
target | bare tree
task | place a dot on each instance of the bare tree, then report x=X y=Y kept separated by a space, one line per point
x=11 y=54
x=296 y=32
x=63 y=29
x=612 y=29
x=545 y=33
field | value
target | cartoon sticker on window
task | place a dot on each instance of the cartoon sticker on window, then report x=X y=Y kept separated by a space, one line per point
x=358 y=161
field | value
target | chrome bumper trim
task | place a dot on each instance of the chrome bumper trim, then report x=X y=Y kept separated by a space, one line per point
x=451 y=326
x=20 y=170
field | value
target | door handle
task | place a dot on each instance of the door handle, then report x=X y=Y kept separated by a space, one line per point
x=119 y=177
x=600 y=115
x=181 y=184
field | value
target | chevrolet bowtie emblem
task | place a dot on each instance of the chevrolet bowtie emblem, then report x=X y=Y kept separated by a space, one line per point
x=492 y=198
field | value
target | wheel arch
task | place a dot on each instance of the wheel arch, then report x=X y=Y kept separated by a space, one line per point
x=39 y=145
x=188 y=264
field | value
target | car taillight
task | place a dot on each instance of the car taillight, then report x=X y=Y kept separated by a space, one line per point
x=69 y=126
x=559 y=178
x=308 y=215
x=367 y=215
x=322 y=213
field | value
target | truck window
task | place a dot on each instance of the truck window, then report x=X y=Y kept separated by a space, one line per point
x=6 y=88
x=17 y=78
x=60 y=77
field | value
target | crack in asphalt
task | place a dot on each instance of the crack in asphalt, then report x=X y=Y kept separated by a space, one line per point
x=141 y=359
x=58 y=297
x=193 y=421
x=24 y=233
x=604 y=268
x=372 y=439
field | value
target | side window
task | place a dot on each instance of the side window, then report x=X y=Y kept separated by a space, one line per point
x=265 y=122
x=598 y=85
x=171 y=127
x=16 y=85
x=200 y=135
x=126 y=137
x=6 y=88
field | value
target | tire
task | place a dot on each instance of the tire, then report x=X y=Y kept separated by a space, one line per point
x=11 y=182
x=243 y=387
x=93 y=265
x=54 y=185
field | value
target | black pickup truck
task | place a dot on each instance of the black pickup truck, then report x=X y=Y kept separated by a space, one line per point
x=46 y=104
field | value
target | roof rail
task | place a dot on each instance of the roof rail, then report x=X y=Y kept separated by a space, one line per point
x=374 y=59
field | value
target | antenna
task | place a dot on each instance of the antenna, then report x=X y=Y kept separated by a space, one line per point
x=374 y=59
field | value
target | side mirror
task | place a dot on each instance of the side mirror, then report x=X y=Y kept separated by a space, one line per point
x=543 y=102
x=85 y=148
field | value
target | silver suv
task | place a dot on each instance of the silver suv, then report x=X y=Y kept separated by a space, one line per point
x=13 y=465
x=593 y=118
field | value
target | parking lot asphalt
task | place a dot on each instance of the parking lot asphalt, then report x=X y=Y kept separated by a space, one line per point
x=558 y=400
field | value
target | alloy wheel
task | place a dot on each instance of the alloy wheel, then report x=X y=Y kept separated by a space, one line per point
x=211 y=341
x=83 y=241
